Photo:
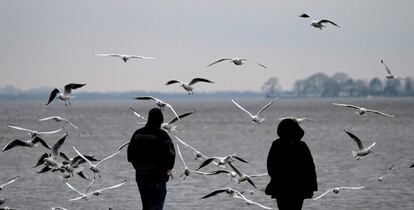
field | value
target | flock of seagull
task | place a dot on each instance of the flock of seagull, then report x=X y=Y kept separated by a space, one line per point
x=56 y=161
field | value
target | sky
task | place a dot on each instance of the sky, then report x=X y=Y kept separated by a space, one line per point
x=51 y=43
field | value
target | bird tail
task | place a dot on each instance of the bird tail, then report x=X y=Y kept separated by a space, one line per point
x=354 y=153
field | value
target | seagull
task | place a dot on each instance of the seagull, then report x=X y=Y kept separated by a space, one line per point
x=83 y=195
x=32 y=133
x=235 y=194
x=29 y=143
x=336 y=190
x=222 y=160
x=96 y=192
x=2 y=200
x=168 y=126
x=318 y=23
x=51 y=160
x=244 y=177
x=235 y=61
x=59 y=119
x=188 y=86
x=255 y=118
x=124 y=57
x=6 y=208
x=362 y=150
x=9 y=182
x=362 y=111
x=389 y=74
x=160 y=104
x=137 y=115
x=65 y=96
x=94 y=167
x=297 y=119
x=72 y=165
x=250 y=202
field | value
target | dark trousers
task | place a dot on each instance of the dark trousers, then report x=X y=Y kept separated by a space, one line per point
x=152 y=194
x=289 y=203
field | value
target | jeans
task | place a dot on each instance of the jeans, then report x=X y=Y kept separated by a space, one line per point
x=152 y=194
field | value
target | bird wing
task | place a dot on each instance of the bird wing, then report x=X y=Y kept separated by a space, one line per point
x=251 y=182
x=108 y=55
x=323 y=194
x=304 y=15
x=78 y=198
x=187 y=145
x=386 y=67
x=356 y=139
x=181 y=157
x=41 y=160
x=50 y=132
x=41 y=141
x=262 y=65
x=206 y=162
x=214 y=193
x=240 y=159
x=89 y=185
x=218 y=61
x=235 y=170
x=14 y=143
x=195 y=80
x=179 y=117
x=136 y=114
x=219 y=172
x=49 y=118
x=116 y=152
x=52 y=95
x=169 y=106
x=173 y=82
x=347 y=105
x=328 y=21
x=370 y=146
x=258 y=175
x=380 y=113
x=74 y=189
x=352 y=188
x=242 y=108
x=10 y=181
x=56 y=147
x=70 y=123
x=72 y=86
x=267 y=105
x=108 y=188
x=142 y=57
x=64 y=156
x=18 y=128
x=80 y=154
x=146 y=98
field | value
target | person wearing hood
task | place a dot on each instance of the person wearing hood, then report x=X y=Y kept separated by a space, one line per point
x=291 y=168
x=151 y=152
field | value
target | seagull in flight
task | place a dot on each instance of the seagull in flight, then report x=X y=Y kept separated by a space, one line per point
x=188 y=171
x=94 y=167
x=221 y=160
x=255 y=118
x=235 y=61
x=244 y=177
x=297 y=119
x=65 y=96
x=124 y=57
x=160 y=104
x=250 y=202
x=33 y=133
x=389 y=74
x=59 y=119
x=362 y=111
x=97 y=192
x=29 y=143
x=72 y=165
x=318 y=23
x=51 y=160
x=336 y=190
x=235 y=194
x=9 y=182
x=362 y=150
x=188 y=86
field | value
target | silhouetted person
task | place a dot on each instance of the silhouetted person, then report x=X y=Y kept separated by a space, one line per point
x=291 y=168
x=152 y=154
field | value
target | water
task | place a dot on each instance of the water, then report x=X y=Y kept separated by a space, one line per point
x=217 y=128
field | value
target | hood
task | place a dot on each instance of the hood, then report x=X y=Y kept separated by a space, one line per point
x=289 y=129
x=155 y=118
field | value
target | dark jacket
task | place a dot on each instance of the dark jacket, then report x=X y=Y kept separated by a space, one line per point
x=290 y=163
x=151 y=150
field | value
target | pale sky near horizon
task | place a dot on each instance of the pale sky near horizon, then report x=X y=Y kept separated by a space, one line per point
x=50 y=43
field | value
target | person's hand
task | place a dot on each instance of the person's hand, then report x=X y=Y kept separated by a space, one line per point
x=170 y=173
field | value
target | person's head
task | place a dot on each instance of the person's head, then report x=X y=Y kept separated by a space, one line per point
x=155 y=118
x=290 y=129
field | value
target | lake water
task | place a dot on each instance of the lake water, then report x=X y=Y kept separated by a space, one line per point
x=217 y=128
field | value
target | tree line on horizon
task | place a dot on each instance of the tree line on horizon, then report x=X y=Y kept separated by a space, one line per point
x=340 y=85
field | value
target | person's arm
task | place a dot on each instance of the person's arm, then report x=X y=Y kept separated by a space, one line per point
x=169 y=153
x=309 y=167
x=271 y=162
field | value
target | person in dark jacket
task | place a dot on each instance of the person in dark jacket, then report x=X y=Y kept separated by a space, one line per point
x=151 y=152
x=291 y=168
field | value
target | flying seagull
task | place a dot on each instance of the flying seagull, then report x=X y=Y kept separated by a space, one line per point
x=51 y=160
x=96 y=192
x=389 y=74
x=65 y=96
x=29 y=143
x=9 y=182
x=160 y=104
x=244 y=177
x=188 y=171
x=168 y=126
x=188 y=86
x=94 y=167
x=362 y=150
x=318 y=23
x=221 y=160
x=255 y=118
x=362 y=111
x=33 y=133
x=297 y=119
x=59 y=119
x=235 y=194
x=235 y=61
x=250 y=202
x=336 y=190
x=124 y=57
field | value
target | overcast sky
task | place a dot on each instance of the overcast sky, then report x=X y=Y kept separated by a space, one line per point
x=50 y=43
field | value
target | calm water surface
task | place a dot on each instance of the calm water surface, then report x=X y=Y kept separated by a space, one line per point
x=217 y=128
